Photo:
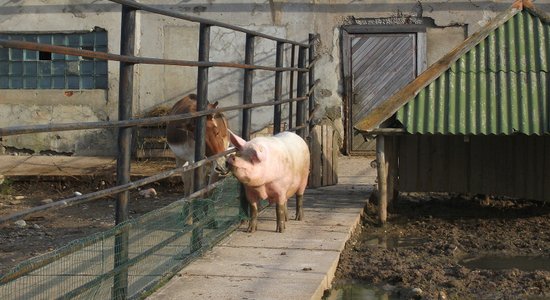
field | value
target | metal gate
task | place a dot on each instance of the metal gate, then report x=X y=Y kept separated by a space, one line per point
x=126 y=261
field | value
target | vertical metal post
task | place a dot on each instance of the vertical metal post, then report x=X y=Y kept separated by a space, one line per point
x=202 y=102
x=128 y=23
x=278 y=88
x=247 y=99
x=247 y=94
x=291 y=87
x=301 y=92
x=200 y=132
x=311 y=78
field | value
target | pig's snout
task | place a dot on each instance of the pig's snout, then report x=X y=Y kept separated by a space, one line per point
x=229 y=162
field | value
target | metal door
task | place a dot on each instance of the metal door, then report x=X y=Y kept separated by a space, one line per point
x=380 y=64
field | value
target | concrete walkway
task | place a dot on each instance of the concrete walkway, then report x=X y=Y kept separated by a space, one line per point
x=297 y=264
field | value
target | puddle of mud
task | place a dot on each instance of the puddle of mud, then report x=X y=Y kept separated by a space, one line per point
x=503 y=262
x=354 y=291
x=364 y=291
x=393 y=241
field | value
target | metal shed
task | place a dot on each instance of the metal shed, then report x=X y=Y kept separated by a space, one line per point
x=477 y=121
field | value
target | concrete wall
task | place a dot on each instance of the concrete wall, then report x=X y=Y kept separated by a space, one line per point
x=165 y=37
x=29 y=107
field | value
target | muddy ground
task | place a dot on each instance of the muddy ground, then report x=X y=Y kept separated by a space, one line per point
x=47 y=231
x=440 y=246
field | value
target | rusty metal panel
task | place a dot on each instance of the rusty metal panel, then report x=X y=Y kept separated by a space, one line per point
x=500 y=86
x=514 y=166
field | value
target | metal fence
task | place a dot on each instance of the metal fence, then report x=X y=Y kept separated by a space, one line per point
x=136 y=255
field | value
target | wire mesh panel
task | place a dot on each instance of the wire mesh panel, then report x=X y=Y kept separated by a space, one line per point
x=160 y=242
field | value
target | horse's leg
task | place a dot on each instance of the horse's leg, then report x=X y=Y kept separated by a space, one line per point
x=188 y=182
x=212 y=177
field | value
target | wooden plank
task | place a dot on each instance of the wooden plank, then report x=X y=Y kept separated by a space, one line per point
x=500 y=168
x=326 y=160
x=492 y=178
x=530 y=179
x=510 y=157
x=424 y=169
x=457 y=161
x=328 y=154
x=315 y=158
x=546 y=166
x=158 y=153
x=539 y=168
x=440 y=162
x=408 y=151
x=335 y=155
x=518 y=164
x=391 y=152
x=476 y=165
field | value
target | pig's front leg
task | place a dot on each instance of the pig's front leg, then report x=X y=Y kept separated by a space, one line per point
x=281 y=217
x=299 y=208
x=253 y=223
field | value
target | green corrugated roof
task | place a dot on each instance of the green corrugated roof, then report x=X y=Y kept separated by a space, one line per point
x=499 y=86
x=496 y=82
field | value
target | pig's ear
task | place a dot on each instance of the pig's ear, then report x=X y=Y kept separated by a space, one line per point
x=236 y=140
x=259 y=154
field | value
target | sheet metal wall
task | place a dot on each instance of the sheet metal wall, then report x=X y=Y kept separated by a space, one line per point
x=500 y=86
x=515 y=166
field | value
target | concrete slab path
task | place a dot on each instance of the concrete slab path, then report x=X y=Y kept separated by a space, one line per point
x=297 y=264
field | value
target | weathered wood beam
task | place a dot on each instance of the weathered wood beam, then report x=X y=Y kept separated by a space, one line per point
x=382 y=180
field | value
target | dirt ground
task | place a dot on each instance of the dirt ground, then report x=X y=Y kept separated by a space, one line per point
x=440 y=246
x=46 y=231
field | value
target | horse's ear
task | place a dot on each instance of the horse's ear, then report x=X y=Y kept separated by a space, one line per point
x=215 y=104
x=236 y=140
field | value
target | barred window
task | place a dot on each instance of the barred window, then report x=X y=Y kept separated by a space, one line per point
x=28 y=69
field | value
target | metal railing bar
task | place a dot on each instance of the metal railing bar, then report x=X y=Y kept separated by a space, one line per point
x=299 y=127
x=26 y=129
x=110 y=191
x=177 y=15
x=133 y=59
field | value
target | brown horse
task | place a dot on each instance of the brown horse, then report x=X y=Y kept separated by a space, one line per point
x=181 y=137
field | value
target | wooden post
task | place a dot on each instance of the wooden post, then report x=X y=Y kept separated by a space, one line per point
x=382 y=180
x=388 y=147
x=392 y=170
x=316 y=158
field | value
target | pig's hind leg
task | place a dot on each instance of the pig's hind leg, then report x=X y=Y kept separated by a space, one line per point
x=300 y=200
x=299 y=207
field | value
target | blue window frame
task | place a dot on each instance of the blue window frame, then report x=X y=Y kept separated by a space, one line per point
x=28 y=69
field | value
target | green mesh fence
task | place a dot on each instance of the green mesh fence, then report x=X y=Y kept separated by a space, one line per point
x=159 y=243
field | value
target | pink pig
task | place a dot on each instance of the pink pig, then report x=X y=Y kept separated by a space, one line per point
x=272 y=168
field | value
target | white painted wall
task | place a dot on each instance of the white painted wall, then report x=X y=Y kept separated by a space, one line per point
x=166 y=37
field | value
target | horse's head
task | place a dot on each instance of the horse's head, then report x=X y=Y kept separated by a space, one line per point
x=217 y=137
